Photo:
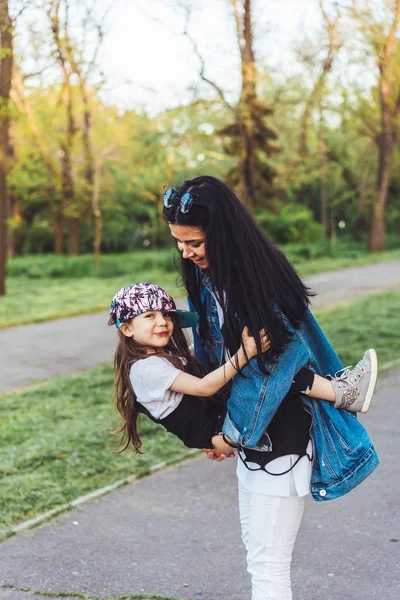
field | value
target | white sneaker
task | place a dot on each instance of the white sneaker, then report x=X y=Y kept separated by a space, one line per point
x=354 y=388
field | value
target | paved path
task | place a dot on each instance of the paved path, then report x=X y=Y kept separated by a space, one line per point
x=176 y=533
x=32 y=353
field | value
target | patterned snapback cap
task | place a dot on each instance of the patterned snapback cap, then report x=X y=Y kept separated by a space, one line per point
x=135 y=299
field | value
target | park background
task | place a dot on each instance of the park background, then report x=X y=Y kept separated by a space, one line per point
x=105 y=105
x=295 y=104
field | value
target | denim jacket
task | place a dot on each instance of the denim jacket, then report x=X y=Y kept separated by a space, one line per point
x=344 y=453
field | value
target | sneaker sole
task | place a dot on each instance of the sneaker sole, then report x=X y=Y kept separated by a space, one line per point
x=374 y=373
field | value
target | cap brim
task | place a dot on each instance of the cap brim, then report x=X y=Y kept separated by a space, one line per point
x=185 y=318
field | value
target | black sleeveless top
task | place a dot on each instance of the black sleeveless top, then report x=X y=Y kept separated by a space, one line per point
x=289 y=432
x=196 y=420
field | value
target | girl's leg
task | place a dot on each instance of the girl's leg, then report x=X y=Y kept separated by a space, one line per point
x=320 y=387
x=269 y=529
x=351 y=390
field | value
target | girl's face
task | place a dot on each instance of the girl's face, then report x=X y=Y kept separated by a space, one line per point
x=152 y=329
x=191 y=243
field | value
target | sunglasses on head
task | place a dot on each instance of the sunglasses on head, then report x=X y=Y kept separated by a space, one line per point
x=185 y=202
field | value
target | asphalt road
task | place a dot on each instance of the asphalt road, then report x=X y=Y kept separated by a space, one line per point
x=33 y=353
x=176 y=533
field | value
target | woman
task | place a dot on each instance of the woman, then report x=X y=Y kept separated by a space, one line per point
x=235 y=277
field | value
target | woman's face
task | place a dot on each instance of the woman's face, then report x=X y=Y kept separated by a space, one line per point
x=191 y=243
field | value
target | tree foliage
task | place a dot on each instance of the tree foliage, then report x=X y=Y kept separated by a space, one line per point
x=305 y=152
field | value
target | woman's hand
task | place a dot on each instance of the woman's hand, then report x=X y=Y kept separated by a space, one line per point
x=249 y=343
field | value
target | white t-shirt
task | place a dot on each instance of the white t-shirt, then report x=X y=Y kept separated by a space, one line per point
x=151 y=379
x=294 y=483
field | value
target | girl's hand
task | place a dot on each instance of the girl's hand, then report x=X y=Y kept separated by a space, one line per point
x=249 y=343
x=219 y=450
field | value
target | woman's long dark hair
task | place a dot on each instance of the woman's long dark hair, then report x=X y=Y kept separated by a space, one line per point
x=253 y=280
x=128 y=351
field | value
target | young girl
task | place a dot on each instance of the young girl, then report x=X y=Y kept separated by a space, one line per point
x=157 y=375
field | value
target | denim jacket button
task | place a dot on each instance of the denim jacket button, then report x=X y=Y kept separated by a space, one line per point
x=322 y=493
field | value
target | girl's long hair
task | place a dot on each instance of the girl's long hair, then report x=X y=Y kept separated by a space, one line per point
x=254 y=282
x=128 y=351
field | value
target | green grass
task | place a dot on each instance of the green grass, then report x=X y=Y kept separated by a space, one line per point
x=56 y=445
x=54 y=287
x=84 y=596
x=47 y=266
x=325 y=264
x=55 y=440
x=373 y=321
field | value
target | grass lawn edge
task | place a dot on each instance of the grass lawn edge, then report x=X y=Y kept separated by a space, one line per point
x=58 y=510
x=83 y=595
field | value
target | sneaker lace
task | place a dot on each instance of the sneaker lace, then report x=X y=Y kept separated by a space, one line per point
x=348 y=377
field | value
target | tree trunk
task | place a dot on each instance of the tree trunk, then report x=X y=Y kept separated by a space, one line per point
x=378 y=226
x=361 y=223
x=324 y=193
x=245 y=187
x=377 y=233
x=86 y=138
x=98 y=217
x=390 y=105
x=68 y=187
x=14 y=212
x=247 y=97
x=3 y=218
x=68 y=197
x=6 y=60
x=13 y=207
x=90 y=194
x=73 y=236
x=67 y=209
x=58 y=229
x=97 y=236
x=332 y=234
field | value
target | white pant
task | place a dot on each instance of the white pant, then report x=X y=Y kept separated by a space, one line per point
x=269 y=529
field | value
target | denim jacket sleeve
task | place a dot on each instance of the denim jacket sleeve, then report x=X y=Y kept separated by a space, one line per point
x=255 y=398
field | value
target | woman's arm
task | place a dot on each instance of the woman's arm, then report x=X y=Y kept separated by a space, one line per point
x=214 y=381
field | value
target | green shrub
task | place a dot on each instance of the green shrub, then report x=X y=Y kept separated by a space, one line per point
x=344 y=248
x=292 y=223
x=51 y=266
x=35 y=237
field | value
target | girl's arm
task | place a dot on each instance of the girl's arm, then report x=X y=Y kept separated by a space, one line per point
x=214 y=381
